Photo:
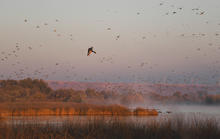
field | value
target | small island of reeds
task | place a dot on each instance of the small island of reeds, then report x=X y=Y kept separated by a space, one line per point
x=61 y=108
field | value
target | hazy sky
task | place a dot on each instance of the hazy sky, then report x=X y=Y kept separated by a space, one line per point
x=160 y=40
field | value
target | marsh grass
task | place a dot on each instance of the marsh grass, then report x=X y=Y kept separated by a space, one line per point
x=68 y=108
x=169 y=128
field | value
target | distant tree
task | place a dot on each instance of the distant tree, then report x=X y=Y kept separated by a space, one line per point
x=26 y=83
x=39 y=96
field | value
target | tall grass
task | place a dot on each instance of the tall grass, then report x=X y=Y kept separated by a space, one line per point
x=171 y=128
x=68 y=108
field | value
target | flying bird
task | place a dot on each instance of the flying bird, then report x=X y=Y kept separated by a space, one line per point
x=90 y=50
x=117 y=37
x=201 y=13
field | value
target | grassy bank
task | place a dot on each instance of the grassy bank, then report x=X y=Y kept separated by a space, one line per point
x=61 y=108
x=175 y=128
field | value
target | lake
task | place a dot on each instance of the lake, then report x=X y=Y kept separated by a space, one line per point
x=167 y=112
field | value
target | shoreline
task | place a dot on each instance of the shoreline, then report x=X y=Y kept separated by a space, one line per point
x=61 y=109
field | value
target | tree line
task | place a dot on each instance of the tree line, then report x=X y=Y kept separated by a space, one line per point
x=38 y=90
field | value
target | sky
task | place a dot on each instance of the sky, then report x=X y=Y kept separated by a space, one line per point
x=168 y=41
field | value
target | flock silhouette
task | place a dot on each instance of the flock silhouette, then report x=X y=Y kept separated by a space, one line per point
x=42 y=73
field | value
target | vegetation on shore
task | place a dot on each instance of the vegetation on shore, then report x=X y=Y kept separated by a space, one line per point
x=201 y=98
x=61 y=108
x=34 y=97
x=29 y=90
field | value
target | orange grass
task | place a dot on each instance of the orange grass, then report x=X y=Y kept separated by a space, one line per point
x=68 y=108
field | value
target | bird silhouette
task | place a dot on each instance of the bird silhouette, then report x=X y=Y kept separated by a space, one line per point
x=117 y=37
x=90 y=50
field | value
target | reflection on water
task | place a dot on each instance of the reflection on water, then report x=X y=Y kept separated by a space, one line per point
x=183 y=112
x=78 y=119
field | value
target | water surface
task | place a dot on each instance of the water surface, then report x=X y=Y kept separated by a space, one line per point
x=167 y=112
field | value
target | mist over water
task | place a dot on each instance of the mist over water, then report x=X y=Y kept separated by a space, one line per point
x=184 y=112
